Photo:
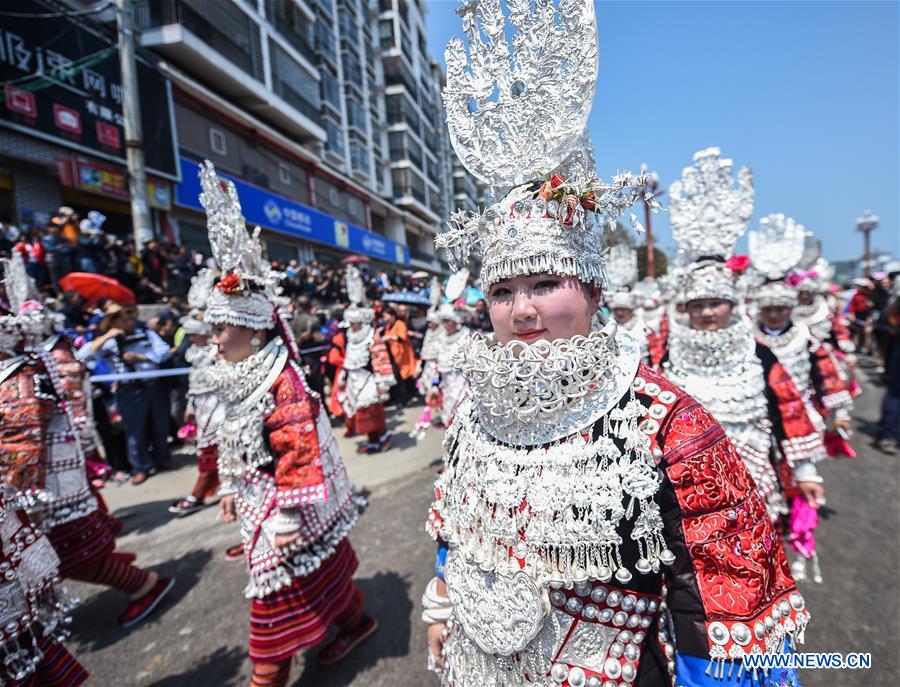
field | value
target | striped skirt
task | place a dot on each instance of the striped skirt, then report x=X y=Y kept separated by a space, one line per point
x=84 y=541
x=57 y=669
x=287 y=621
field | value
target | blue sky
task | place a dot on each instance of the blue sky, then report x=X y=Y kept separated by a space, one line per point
x=804 y=93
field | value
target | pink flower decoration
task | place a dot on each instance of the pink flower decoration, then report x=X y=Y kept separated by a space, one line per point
x=30 y=307
x=738 y=263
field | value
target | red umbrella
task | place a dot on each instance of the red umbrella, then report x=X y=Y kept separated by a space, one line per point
x=355 y=260
x=96 y=286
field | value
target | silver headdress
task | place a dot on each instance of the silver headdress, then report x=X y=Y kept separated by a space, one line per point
x=622 y=273
x=27 y=321
x=776 y=248
x=709 y=209
x=356 y=294
x=197 y=298
x=245 y=291
x=515 y=114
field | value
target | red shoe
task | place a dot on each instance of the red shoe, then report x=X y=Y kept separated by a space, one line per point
x=140 y=608
x=234 y=553
x=343 y=644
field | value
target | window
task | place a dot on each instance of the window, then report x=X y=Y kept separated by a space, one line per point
x=386 y=34
x=353 y=205
x=294 y=84
x=284 y=174
x=325 y=40
x=331 y=90
x=333 y=196
x=335 y=143
x=292 y=25
x=356 y=115
x=352 y=71
x=359 y=157
x=217 y=142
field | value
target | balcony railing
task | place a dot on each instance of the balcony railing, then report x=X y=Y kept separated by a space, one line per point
x=220 y=25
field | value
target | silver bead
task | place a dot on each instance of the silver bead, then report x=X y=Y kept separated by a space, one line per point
x=740 y=633
x=652 y=606
x=616 y=650
x=623 y=575
x=667 y=557
x=557 y=598
x=645 y=622
x=605 y=615
x=718 y=633
x=784 y=607
x=574 y=605
x=605 y=574
x=628 y=602
x=631 y=652
x=625 y=636
x=577 y=678
x=594 y=681
x=590 y=612
x=639 y=637
x=619 y=618
x=598 y=594
x=559 y=673
x=629 y=672
x=769 y=623
x=643 y=566
x=671 y=666
x=634 y=620
x=759 y=630
x=612 y=668
x=797 y=602
x=613 y=598
x=583 y=588
x=641 y=605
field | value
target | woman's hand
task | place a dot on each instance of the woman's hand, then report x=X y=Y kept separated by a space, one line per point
x=226 y=509
x=435 y=637
x=813 y=492
x=286 y=539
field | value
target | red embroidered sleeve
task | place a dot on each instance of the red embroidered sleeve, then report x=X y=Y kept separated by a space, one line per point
x=750 y=602
x=23 y=424
x=831 y=391
x=801 y=439
x=294 y=440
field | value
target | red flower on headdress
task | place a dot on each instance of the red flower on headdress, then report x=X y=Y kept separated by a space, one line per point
x=738 y=263
x=589 y=201
x=547 y=192
x=230 y=283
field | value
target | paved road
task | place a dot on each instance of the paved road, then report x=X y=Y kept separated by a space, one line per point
x=198 y=637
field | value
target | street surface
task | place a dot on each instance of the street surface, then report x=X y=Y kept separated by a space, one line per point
x=198 y=636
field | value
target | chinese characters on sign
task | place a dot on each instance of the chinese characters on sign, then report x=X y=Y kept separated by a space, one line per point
x=62 y=82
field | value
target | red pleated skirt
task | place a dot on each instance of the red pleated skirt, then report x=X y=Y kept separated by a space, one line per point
x=299 y=616
x=370 y=419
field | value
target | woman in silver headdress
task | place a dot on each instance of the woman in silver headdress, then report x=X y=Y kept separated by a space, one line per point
x=282 y=475
x=594 y=524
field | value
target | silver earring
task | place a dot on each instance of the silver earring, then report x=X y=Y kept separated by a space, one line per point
x=255 y=343
x=595 y=321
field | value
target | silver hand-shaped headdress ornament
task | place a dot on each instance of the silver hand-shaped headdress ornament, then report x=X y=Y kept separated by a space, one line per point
x=622 y=266
x=244 y=295
x=775 y=249
x=777 y=246
x=709 y=209
x=518 y=99
x=515 y=114
x=356 y=294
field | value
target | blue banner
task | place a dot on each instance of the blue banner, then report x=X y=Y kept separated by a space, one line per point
x=288 y=217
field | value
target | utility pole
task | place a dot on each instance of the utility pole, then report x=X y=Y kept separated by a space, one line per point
x=866 y=225
x=653 y=189
x=131 y=109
